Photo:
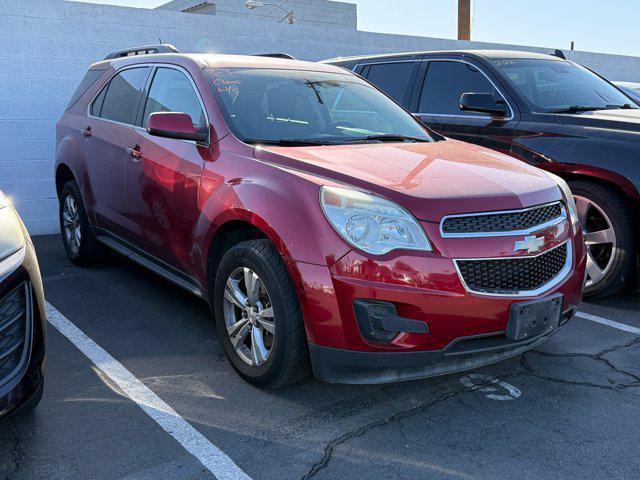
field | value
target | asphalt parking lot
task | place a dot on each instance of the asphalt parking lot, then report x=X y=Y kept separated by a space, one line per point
x=569 y=409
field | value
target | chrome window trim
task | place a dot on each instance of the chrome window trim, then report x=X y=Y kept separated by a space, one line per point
x=146 y=94
x=509 y=233
x=451 y=115
x=568 y=264
x=366 y=64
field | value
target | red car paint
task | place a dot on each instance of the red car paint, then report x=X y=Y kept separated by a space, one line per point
x=170 y=197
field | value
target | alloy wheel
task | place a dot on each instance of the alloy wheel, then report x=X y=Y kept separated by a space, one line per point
x=248 y=315
x=600 y=238
x=71 y=224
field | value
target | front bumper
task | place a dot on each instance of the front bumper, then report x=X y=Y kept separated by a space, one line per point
x=464 y=329
x=21 y=271
x=357 y=367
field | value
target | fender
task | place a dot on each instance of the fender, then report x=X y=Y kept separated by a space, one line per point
x=297 y=226
x=567 y=170
x=566 y=151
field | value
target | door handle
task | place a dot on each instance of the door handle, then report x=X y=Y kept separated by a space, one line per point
x=135 y=152
x=87 y=132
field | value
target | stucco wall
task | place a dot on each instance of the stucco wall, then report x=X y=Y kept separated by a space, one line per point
x=45 y=46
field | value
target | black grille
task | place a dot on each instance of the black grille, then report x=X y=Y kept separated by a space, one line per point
x=502 y=222
x=13 y=326
x=513 y=275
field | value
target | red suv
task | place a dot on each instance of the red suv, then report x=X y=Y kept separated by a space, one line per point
x=327 y=228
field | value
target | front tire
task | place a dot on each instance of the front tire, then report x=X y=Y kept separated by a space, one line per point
x=609 y=232
x=81 y=245
x=258 y=316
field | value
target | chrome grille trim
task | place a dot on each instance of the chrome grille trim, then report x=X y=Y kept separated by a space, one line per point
x=505 y=233
x=523 y=293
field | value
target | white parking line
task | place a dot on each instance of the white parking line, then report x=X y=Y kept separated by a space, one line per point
x=609 y=323
x=214 y=460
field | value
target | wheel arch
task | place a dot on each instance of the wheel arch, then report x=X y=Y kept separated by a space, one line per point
x=620 y=185
x=225 y=237
x=63 y=175
x=601 y=176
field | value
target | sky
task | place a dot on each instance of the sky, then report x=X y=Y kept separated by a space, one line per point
x=594 y=25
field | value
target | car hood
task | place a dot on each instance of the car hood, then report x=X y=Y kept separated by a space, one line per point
x=429 y=179
x=608 y=119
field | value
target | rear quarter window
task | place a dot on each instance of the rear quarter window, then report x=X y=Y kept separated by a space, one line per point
x=87 y=81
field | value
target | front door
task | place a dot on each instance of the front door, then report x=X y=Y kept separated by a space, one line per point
x=162 y=175
x=439 y=105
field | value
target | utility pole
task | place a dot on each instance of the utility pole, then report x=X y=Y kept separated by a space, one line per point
x=464 y=19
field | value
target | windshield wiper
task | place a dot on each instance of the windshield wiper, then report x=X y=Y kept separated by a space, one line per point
x=389 y=138
x=288 y=142
x=582 y=108
x=624 y=106
x=578 y=108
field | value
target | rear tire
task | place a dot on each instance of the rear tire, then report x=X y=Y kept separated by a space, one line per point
x=81 y=245
x=270 y=349
x=612 y=255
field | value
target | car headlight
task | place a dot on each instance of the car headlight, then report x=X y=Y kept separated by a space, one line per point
x=11 y=236
x=571 y=203
x=371 y=223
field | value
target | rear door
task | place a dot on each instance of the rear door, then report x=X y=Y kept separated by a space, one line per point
x=396 y=78
x=112 y=114
x=162 y=175
x=438 y=106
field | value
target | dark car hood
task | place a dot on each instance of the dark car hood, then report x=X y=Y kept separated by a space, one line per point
x=619 y=119
x=429 y=179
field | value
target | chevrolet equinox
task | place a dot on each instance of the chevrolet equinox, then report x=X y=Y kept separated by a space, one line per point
x=546 y=111
x=328 y=229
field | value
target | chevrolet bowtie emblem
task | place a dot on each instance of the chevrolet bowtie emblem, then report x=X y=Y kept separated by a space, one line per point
x=531 y=244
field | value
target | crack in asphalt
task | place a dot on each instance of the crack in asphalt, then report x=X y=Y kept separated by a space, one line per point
x=331 y=445
x=336 y=442
x=16 y=456
x=598 y=357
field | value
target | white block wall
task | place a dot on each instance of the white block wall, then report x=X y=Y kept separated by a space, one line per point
x=46 y=45
x=318 y=12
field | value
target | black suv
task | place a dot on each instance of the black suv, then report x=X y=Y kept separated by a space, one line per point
x=542 y=109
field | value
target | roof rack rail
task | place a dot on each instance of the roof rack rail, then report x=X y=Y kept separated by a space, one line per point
x=286 y=56
x=558 y=53
x=143 y=50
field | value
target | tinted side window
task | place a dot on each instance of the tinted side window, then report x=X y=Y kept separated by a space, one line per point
x=123 y=95
x=395 y=79
x=171 y=91
x=446 y=82
x=96 y=106
x=89 y=79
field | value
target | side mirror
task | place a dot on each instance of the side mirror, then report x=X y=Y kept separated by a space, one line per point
x=175 y=125
x=484 y=103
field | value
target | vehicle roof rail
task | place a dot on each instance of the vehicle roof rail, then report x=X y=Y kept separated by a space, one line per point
x=143 y=50
x=558 y=53
x=286 y=56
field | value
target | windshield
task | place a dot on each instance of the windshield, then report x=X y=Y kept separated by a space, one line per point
x=293 y=106
x=556 y=85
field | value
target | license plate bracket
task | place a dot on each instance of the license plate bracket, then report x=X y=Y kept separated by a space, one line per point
x=532 y=318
